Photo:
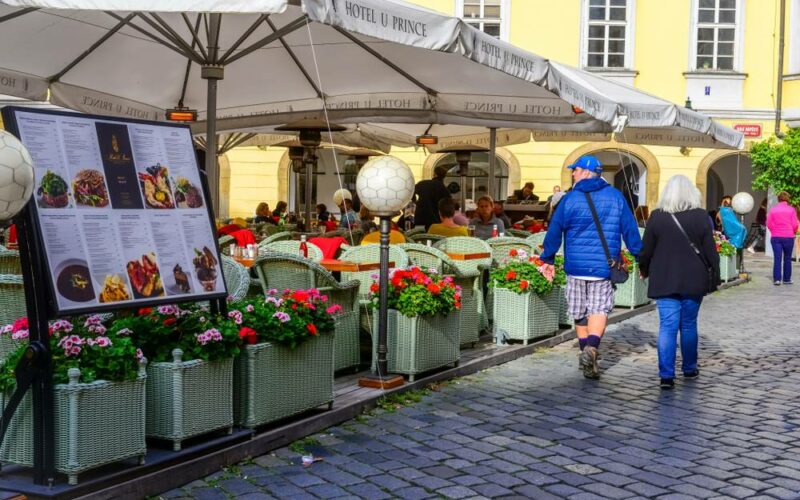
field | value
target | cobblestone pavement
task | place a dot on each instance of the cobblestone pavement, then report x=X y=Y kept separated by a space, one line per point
x=535 y=428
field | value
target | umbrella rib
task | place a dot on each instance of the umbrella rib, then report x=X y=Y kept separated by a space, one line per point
x=197 y=42
x=213 y=38
x=146 y=33
x=18 y=13
x=297 y=62
x=242 y=139
x=292 y=26
x=245 y=36
x=385 y=61
x=195 y=33
x=91 y=49
x=169 y=33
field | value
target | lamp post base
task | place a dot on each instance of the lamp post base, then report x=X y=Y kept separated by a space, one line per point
x=374 y=381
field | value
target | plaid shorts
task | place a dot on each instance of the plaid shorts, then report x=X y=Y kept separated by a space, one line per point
x=586 y=297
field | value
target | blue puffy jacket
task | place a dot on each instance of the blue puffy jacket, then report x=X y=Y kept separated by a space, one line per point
x=572 y=220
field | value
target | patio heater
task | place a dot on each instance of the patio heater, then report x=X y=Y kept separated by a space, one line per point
x=385 y=185
x=463 y=157
x=310 y=131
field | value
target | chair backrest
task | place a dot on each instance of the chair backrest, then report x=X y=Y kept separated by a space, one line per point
x=292 y=247
x=9 y=262
x=467 y=245
x=427 y=257
x=370 y=254
x=415 y=230
x=519 y=233
x=424 y=238
x=237 y=277
x=501 y=247
x=282 y=236
x=226 y=241
x=353 y=236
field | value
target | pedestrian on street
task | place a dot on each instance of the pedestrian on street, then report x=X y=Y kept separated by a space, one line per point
x=681 y=260
x=592 y=247
x=428 y=193
x=782 y=224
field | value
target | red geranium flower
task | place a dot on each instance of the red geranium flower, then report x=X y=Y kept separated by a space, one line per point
x=20 y=324
x=144 y=311
x=170 y=321
x=374 y=288
x=249 y=335
x=523 y=285
x=312 y=328
x=434 y=289
x=513 y=252
x=511 y=275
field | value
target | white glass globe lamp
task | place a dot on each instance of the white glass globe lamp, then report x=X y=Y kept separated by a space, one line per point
x=385 y=185
x=16 y=176
x=742 y=203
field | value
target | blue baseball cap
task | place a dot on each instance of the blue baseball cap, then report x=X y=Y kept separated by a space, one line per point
x=588 y=162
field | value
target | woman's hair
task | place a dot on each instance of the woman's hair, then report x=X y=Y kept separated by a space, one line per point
x=262 y=209
x=679 y=195
x=726 y=201
x=486 y=198
x=447 y=208
x=322 y=208
x=784 y=196
x=281 y=206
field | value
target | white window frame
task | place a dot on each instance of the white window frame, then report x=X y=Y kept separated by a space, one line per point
x=630 y=37
x=738 y=44
x=505 y=16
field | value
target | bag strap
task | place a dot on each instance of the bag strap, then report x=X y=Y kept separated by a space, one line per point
x=610 y=261
x=689 y=240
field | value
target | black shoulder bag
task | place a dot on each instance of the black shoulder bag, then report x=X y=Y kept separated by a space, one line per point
x=618 y=273
x=712 y=281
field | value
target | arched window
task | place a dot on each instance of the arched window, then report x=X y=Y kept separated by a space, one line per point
x=477 y=178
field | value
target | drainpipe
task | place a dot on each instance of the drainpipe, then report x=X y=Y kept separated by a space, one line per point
x=779 y=96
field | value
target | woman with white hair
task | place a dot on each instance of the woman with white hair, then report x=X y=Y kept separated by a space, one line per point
x=680 y=258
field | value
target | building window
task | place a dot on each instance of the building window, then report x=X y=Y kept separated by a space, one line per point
x=489 y=16
x=717 y=35
x=607 y=33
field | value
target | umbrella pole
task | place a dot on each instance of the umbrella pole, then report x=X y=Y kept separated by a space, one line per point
x=212 y=74
x=492 y=162
x=463 y=190
x=310 y=167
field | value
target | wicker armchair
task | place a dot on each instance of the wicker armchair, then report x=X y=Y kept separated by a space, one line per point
x=292 y=247
x=465 y=244
x=431 y=258
x=12 y=290
x=414 y=230
x=518 y=233
x=225 y=242
x=9 y=262
x=424 y=238
x=282 y=271
x=353 y=236
x=501 y=247
x=282 y=236
x=237 y=277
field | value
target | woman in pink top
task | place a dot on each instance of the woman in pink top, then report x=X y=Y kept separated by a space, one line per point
x=782 y=224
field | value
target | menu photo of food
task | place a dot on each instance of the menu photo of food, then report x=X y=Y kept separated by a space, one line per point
x=114 y=289
x=145 y=277
x=53 y=191
x=178 y=283
x=187 y=194
x=205 y=267
x=156 y=188
x=89 y=189
x=74 y=281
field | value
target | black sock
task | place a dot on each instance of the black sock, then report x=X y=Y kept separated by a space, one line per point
x=581 y=343
x=593 y=340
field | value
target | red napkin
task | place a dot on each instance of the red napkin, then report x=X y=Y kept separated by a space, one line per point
x=228 y=230
x=329 y=246
x=244 y=237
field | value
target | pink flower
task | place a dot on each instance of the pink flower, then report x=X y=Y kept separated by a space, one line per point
x=282 y=316
x=7 y=329
x=19 y=335
x=169 y=310
x=547 y=271
x=250 y=308
x=103 y=341
x=74 y=351
x=139 y=354
x=97 y=329
x=91 y=320
x=65 y=326
x=236 y=316
x=90 y=342
x=272 y=291
x=333 y=309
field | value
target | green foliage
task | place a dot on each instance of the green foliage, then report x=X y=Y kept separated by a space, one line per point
x=724 y=247
x=776 y=164
x=522 y=273
x=560 y=279
x=415 y=292
x=301 y=445
x=628 y=261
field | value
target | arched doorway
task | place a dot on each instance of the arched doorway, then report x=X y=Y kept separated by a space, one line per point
x=727 y=173
x=477 y=178
x=325 y=181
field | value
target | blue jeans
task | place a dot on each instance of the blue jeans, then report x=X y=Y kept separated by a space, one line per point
x=782 y=250
x=678 y=312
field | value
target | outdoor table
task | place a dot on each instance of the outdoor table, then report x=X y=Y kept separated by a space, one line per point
x=469 y=256
x=335 y=265
x=248 y=263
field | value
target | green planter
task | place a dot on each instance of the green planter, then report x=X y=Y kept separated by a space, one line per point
x=272 y=382
x=469 y=318
x=346 y=349
x=188 y=398
x=95 y=424
x=419 y=344
x=632 y=293
x=524 y=316
x=727 y=268
x=563 y=317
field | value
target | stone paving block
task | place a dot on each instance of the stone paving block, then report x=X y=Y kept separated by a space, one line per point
x=327 y=491
x=412 y=493
x=456 y=492
x=606 y=490
x=388 y=482
x=432 y=483
x=613 y=479
x=646 y=490
x=656 y=479
x=468 y=480
x=506 y=480
x=694 y=490
x=366 y=490
x=782 y=493
x=561 y=490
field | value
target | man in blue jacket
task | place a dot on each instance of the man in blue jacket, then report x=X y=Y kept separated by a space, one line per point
x=590 y=294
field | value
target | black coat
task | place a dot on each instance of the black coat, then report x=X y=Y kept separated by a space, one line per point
x=428 y=194
x=669 y=261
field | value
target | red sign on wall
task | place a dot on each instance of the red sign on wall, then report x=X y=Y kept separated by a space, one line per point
x=749 y=129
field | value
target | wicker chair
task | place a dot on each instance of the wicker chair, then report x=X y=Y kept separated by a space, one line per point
x=237 y=277
x=225 y=242
x=9 y=262
x=431 y=258
x=501 y=247
x=465 y=244
x=415 y=230
x=424 y=238
x=282 y=236
x=12 y=290
x=291 y=247
x=519 y=233
x=282 y=271
x=353 y=236
x=275 y=229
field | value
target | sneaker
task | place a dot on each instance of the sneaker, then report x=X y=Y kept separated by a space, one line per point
x=749 y=249
x=776 y=283
x=588 y=363
x=691 y=374
x=790 y=282
x=667 y=383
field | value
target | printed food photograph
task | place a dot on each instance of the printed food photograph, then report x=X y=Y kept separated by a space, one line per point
x=114 y=289
x=205 y=265
x=53 y=191
x=74 y=282
x=155 y=186
x=179 y=283
x=89 y=188
x=145 y=277
x=187 y=194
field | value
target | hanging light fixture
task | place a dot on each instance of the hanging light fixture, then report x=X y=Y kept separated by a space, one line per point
x=427 y=140
x=181 y=114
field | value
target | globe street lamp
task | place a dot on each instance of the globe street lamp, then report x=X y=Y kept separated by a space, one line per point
x=385 y=185
x=742 y=203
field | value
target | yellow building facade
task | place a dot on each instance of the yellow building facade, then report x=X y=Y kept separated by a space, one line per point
x=720 y=54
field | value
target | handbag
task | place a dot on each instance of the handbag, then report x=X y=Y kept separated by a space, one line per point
x=712 y=278
x=618 y=273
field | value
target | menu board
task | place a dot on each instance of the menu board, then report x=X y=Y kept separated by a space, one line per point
x=121 y=212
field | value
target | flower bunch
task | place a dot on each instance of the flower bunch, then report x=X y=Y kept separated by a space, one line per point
x=523 y=273
x=288 y=318
x=197 y=332
x=85 y=344
x=724 y=247
x=415 y=292
x=627 y=259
